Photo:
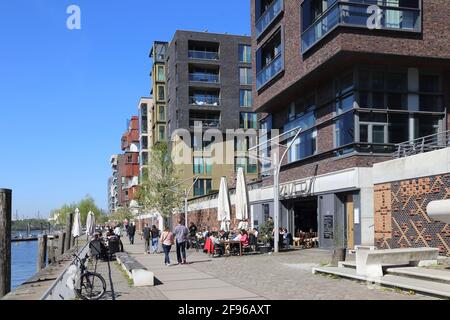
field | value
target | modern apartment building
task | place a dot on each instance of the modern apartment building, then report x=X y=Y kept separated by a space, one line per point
x=145 y=107
x=128 y=164
x=158 y=117
x=357 y=80
x=209 y=86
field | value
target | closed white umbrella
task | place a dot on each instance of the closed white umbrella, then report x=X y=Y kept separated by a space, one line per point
x=223 y=206
x=90 y=224
x=241 y=196
x=76 y=227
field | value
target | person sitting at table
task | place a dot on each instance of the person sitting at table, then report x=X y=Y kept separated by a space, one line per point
x=223 y=235
x=244 y=238
x=237 y=237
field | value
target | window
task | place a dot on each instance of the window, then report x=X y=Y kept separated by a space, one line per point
x=373 y=128
x=144 y=158
x=240 y=162
x=245 y=53
x=304 y=146
x=248 y=120
x=162 y=132
x=160 y=73
x=398 y=128
x=202 y=187
x=208 y=165
x=198 y=165
x=266 y=11
x=266 y=211
x=161 y=113
x=246 y=98
x=245 y=76
x=426 y=125
x=430 y=99
x=345 y=130
x=346 y=103
x=161 y=93
x=145 y=142
x=248 y=165
x=269 y=60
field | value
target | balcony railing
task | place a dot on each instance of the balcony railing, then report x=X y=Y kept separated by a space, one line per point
x=269 y=71
x=355 y=14
x=432 y=142
x=268 y=16
x=204 y=100
x=205 y=123
x=205 y=55
x=204 y=77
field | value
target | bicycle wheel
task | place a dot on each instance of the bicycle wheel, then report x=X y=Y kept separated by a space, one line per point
x=92 y=286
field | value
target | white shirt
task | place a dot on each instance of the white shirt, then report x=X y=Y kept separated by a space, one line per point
x=117 y=231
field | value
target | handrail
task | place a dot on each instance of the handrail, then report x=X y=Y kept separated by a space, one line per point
x=266 y=13
x=428 y=143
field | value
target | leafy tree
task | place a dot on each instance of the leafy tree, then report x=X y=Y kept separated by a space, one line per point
x=158 y=190
x=121 y=214
x=265 y=233
x=84 y=205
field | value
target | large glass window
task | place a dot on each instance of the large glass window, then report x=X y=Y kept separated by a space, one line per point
x=426 y=125
x=198 y=165
x=160 y=74
x=398 y=128
x=245 y=76
x=162 y=113
x=269 y=60
x=161 y=93
x=303 y=147
x=248 y=120
x=430 y=97
x=245 y=98
x=345 y=130
x=162 y=133
x=202 y=187
x=245 y=53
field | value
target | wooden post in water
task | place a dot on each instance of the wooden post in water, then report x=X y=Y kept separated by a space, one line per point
x=5 y=241
x=61 y=243
x=69 y=231
x=42 y=252
x=51 y=255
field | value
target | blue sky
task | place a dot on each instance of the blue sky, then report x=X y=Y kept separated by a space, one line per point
x=65 y=94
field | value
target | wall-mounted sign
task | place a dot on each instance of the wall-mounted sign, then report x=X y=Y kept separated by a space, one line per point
x=294 y=189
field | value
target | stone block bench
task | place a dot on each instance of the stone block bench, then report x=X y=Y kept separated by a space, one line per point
x=370 y=262
x=135 y=270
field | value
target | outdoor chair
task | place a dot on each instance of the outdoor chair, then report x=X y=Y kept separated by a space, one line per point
x=98 y=250
x=113 y=247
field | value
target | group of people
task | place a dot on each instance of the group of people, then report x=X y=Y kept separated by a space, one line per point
x=179 y=238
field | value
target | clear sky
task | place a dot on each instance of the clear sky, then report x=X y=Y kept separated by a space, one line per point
x=65 y=95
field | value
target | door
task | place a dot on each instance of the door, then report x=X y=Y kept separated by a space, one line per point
x=350 y=222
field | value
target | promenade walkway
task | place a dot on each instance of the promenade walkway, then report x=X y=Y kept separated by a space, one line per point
x=184 y=282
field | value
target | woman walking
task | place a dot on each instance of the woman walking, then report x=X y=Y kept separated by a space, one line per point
x=167 y=242
x=155 y=236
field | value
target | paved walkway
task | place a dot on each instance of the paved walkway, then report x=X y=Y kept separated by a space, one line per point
x=284 y=276
x=185 y=282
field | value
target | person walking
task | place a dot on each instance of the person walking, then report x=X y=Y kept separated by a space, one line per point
x=131 y=232
x=155 y=236
x=181 y=235
x=166 y=242
x=146 y=235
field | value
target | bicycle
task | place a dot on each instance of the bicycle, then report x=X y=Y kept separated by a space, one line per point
x=91 y=285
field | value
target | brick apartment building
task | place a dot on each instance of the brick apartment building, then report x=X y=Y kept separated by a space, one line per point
x=355 y=92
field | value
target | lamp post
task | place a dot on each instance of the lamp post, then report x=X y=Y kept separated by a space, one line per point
x=186 y=195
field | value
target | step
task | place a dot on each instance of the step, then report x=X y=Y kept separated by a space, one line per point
x=438 y=289
x=442 y=276
x=347 y=264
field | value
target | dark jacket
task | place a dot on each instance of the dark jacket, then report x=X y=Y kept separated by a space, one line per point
x=146 y=232
x=155 y=233
x=131 y=230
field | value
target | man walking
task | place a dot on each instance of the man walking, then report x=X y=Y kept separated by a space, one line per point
x=131 y=232
x=146 y=235
x=181 y=234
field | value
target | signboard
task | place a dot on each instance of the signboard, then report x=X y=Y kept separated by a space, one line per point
x=328 y=227
x=294 y=189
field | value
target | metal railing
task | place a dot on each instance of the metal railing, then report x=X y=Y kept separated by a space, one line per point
x=205 y=123
x=204 y=77
x=205 y=55
x=429 y=143
x=268 y=16
x=273 y=68
x=355 y=13
x=201 y=100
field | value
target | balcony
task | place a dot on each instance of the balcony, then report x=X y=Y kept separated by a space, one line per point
x=358 y=14
x=266 y=19
x=272 y=69
x=204 y=77
x=204 y=55
x=205 y=123
x=204 y=100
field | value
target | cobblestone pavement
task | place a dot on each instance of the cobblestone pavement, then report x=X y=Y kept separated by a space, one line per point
x=288 y=276
x=283 y=276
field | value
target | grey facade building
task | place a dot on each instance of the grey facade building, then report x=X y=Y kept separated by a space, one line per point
x=209 y=81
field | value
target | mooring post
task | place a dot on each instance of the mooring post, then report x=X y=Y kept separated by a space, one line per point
x=69 y=231
x=5 y=241
x=42 y=253
x=61 y=244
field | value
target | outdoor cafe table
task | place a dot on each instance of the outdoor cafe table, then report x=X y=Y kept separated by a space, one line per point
x=227 y=244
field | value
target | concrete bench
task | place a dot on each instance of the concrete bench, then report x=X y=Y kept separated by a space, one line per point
x=370 y=263
x=135 y=270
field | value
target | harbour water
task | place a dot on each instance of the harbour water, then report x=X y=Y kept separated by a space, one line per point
x=23 y=261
